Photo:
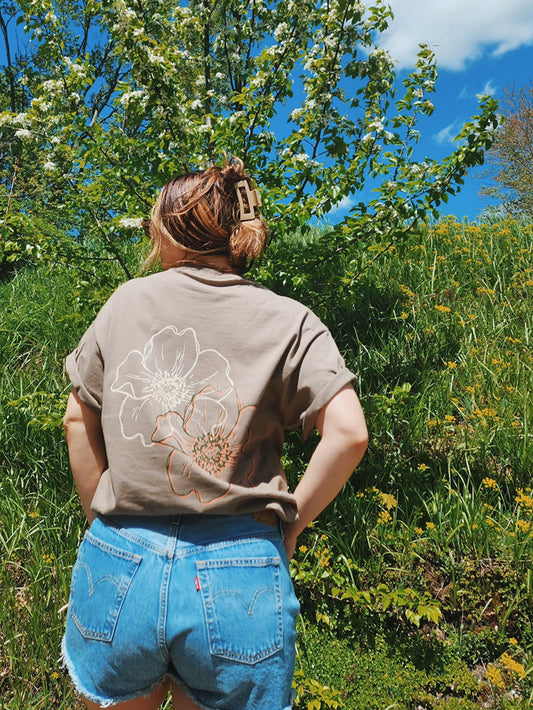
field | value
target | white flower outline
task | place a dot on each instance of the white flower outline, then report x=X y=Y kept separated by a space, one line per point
x=169 y=372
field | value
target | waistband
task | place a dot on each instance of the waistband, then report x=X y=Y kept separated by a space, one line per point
x=162 y=533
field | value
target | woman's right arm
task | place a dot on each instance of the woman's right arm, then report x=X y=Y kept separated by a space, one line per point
x=343 y=442
x=86 y=449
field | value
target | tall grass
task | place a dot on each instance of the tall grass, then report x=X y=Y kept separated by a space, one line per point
x=439 y=333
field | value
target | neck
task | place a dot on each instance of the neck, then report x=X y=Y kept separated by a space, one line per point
x=217 y=262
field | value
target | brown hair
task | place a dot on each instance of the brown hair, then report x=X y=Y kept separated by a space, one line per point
x=200 y=212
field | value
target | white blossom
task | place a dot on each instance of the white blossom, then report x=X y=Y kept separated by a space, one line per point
x=296 y=114
x=52 y=86
x=280 y=30
x=21 y=119
x=23 y=133
x=130 y=222
x=196 y=104
x=375 y=126
x=138 y=95
x=49 y=166
x=155 y=58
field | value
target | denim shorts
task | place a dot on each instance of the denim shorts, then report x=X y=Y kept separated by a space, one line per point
x=204 y=600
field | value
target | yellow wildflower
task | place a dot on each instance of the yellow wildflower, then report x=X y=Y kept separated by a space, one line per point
x=524 y=500
x=443 y=309
x=388 y=500
x=489 y=483
x=430 y=525
x=384 y=517
x=523 y=525
x=511 y=665
x=494 y=676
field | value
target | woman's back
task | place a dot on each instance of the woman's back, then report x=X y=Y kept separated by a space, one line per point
x=203 y=372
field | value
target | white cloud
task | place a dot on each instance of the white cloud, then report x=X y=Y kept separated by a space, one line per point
x=447 y=134
x=344 y=205
x=488 y=90
x=456 y=30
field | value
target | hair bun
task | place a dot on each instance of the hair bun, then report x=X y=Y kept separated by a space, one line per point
x=234 y=170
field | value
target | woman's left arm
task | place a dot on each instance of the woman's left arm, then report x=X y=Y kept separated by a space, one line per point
x=86 y=448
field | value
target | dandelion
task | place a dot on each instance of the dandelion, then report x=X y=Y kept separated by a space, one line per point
x=443 y=309
x=388 y=500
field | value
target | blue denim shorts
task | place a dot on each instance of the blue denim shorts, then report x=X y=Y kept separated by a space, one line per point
x=204 y=600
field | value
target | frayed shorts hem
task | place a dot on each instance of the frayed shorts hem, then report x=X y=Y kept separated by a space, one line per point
x=107 y=702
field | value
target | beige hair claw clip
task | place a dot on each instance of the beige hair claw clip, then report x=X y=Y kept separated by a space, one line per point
x=252 y=198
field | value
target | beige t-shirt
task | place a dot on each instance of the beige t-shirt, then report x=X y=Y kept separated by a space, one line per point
x=196 y=374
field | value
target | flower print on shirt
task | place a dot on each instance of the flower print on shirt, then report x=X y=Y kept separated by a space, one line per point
x=210 y=438
x=164 y=377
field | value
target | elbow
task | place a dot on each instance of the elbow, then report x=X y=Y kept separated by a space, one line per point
x=359 y=445
x=356 y=441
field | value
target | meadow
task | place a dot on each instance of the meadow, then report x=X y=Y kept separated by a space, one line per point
x=417 y=583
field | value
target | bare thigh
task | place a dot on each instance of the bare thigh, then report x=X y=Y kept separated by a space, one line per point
x=153 y=702
x=179 y=700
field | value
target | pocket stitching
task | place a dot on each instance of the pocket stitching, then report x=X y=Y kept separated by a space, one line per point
x=122 y=585
x=217 y=646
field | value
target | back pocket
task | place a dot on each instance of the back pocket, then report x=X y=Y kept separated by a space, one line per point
x=100 y=579
x=243 y=611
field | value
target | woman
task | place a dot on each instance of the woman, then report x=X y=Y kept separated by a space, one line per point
x=182 y=389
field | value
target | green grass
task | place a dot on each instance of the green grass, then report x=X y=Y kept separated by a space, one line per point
x=438 y=517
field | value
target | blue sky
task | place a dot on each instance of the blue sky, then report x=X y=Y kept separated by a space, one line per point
x=482 y=46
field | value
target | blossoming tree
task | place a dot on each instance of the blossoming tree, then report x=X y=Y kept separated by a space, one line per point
x=113 y=97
